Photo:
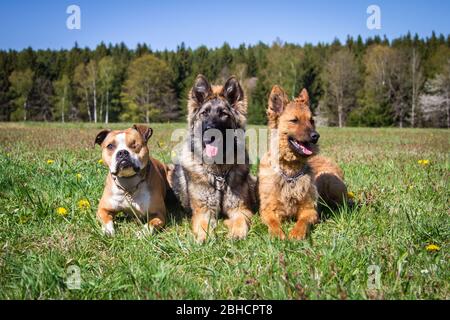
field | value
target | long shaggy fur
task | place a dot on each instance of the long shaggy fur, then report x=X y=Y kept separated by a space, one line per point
x=196 y=184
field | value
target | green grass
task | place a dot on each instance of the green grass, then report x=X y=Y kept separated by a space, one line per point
x=402 y=207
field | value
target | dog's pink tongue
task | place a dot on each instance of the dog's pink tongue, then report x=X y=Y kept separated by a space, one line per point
x=211 y=151
x=306 y=150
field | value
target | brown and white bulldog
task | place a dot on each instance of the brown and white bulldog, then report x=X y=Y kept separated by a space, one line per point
x=136 y=183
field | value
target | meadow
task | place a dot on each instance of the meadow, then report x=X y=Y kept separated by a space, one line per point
x=393 y=244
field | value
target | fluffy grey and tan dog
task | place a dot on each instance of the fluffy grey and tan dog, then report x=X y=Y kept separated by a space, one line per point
x=209 y=180
x=136 y=183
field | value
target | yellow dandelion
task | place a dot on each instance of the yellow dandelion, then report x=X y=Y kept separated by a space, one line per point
x=84 y=204
x=100 y=161
x=50 y=161
x=23 y=220
x=61 y=211
x=351 y=195
x=424 y=162
x=432 y=248
x=161 y=144
x=173 y=154
x=78 y=175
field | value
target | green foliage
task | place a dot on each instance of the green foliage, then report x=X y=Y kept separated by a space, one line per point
x=146 y=92
x=21 y=85
x=99 y=79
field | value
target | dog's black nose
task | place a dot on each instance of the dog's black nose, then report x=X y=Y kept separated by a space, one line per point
x=315 y=137
x=122 y=154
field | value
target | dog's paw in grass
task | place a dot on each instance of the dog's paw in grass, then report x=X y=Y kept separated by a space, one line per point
x=108 y=229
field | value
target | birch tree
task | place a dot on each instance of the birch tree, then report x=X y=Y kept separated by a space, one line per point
x=107 y=73
x=61 y=87
x=340 y=77
x=417 y=82
x=92 y=78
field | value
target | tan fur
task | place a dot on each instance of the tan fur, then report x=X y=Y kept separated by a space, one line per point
x=150 y=193
x=280 y=199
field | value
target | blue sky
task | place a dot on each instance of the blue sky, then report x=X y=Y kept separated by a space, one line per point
x=166 y=23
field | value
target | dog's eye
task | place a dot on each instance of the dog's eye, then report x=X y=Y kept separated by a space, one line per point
x=204 y=113
x=312 y=122
x=223 y=114
x=110 y=146
x=293 y=120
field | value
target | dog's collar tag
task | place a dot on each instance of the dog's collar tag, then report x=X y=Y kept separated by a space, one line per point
x=220 y=180
x=219 y=183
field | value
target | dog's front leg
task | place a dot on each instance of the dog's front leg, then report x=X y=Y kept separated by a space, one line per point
x=106 y=218
x=204 y=219
x=237 y=208
x=270 y=216
x=306 y=217
x=156 y=219
x=238 y=223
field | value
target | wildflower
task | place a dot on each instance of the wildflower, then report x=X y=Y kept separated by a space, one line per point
x=84 y=204
x=24 y=219
x=50 y=161
x=173 y=154
x=161 y=144
x=351 y=195
x=61 y=211
x=78 y=175
x=432 y=248
x=100 y=161
x=424 y=162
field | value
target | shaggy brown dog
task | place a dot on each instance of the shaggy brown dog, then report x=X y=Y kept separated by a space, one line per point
x=289 y=171
x=212 y=187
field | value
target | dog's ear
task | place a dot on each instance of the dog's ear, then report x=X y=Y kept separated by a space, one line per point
x=201 y=89
x=145 y=131
x=232 y=91
x=277 y=101
x=101 y=136
x=303 y=97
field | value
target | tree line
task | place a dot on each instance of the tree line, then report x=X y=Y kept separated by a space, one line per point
x=374 y=82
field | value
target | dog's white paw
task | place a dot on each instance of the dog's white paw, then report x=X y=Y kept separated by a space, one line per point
x=108 y=229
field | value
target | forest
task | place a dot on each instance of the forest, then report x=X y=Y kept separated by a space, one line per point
x=374 y=82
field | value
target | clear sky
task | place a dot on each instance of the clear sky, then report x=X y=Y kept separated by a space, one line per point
x=166 y=23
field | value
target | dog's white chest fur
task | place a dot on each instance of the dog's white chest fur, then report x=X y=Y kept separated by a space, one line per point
x=139 y=201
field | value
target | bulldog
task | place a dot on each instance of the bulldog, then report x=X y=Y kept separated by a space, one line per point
x=136 y=183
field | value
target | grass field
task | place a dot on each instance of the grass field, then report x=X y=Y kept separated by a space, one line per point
x=403 y=208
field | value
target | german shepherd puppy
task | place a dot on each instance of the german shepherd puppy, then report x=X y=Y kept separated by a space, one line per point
x=208 y=178
x=288 y=171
